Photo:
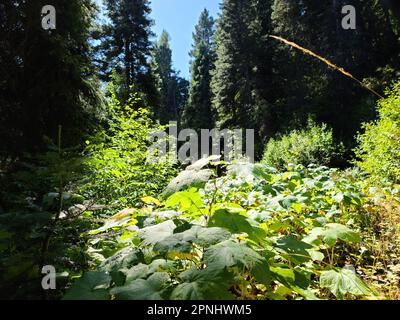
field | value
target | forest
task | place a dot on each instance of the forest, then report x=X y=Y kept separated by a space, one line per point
x=310 y=212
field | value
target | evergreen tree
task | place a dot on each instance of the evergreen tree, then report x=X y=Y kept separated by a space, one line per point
x=231 y=79
x=126 y=47
x=172 y=88
x=182 y=94
x=198 y=113
x=242 y=80
x=263 y=86
x=289 y=65
x=47 y=77
x=306 y=85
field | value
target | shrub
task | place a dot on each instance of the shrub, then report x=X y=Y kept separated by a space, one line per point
x=252 y=234
x=378 y=153
x=119 y=172
x=312 y=145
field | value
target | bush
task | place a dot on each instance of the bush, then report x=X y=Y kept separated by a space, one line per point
x=119 y=172
x=312 y=145
x=378 y=153
x=252 y=234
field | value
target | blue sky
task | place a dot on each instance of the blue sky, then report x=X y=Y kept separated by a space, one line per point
x=178 y=18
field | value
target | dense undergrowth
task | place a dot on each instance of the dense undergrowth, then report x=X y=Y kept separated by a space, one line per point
x=253 y=233
x=313 y=144
x=115 y=226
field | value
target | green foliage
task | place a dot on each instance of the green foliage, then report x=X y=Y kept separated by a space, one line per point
x=92 y=286
x=312 y=145
x=125 y=46
x=305 y=86
x=241 y=81
x=118 y=169
x=343 y=282
x=198 y=111
x=284 y=229
x=379 y=152
x=331 y=233
x=187 y=179
x=143 y=289
x=37 y=226
x=171 y=87
x=203 y=285
x=47 y=78
x=252 y=234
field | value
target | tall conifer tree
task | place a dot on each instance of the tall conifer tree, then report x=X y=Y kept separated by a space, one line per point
x=126 y=46
x=47 y=77
x=198 y=113
x=231 y=79
x=306 y=85
x=242 y=80
x=172 y=88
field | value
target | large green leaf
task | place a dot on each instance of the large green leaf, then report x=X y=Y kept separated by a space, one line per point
x=173 y=244
x=293 y=280
x=154 y=234
x=124 y=258
x=207 y=284
x=112 y=223
x=142 y=271
x=206 y=237
x=188 y=179
x=236 y=223
x=295 y=250
x=342 y=282
x=231 y=254
x=91 y=286
x=261 y=272
x=331 y=233
x=182 y=242
x=263 y=172
x=284 y=275
x=288 y=201
x=152 y=288
x=187 y=201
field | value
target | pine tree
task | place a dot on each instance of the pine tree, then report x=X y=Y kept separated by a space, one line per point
x=231 y=79
x=306 y=85
x=198 y=113
x=162 y=68
x=242 y=80
x=172 y=88
x=48 y=78
x=126 y=46
x=263 y=86
x=182 y=94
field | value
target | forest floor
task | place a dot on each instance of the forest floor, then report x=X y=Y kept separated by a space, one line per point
x=243 y=232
